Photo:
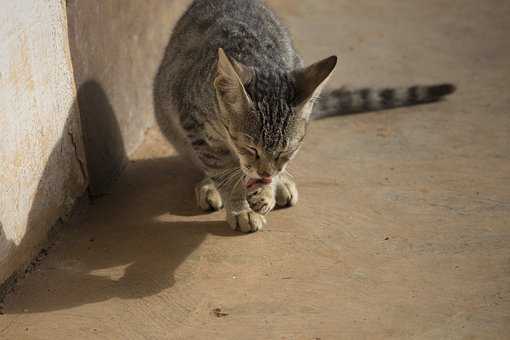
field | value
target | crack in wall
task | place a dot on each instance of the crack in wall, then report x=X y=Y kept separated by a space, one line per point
x=78 y=157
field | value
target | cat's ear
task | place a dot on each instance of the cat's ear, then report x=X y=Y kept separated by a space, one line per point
x=230 y=77
x=310 y=81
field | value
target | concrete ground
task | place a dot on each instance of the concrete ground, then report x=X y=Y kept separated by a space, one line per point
x=402 y=230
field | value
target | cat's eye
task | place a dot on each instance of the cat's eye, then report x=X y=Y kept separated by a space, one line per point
x=252 y=151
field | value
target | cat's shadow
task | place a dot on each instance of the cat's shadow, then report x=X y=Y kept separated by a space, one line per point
x=133 y=237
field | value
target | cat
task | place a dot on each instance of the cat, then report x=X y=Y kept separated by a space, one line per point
x=232 y=87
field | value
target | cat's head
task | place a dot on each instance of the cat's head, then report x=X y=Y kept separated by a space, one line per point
x=266 y=113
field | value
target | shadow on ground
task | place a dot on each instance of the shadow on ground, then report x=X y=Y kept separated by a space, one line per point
x=132 y=225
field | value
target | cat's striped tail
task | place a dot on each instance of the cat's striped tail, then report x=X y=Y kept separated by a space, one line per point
x=344 y=101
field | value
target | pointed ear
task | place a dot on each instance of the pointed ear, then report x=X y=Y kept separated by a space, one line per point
x=230 y=77
x=310 y=80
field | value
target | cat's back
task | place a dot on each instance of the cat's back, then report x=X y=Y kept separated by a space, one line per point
x=246 y=29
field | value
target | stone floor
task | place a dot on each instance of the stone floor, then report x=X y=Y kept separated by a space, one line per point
x=402 y=231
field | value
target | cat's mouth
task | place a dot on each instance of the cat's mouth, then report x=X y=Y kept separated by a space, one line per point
x=255 y=182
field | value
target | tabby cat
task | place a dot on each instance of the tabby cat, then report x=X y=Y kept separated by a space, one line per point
x=233 y=87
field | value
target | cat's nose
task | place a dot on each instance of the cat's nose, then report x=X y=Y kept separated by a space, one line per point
x=264 y=174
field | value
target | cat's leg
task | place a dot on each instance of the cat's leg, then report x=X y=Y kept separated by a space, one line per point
x=222 y=168
x=230 y=184
x=208 y=197
x=205 y=156
x=246 y=221
x=286 y=192
x=239 y=214
x=227 y=178
x=262 y=198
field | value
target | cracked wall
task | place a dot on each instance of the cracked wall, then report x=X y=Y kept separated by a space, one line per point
x=75 y=101
x=116 y=47
x=41 y=153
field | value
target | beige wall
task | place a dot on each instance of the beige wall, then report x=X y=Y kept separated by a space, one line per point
x=40 y=139
x=75 y=101
x=116 y=48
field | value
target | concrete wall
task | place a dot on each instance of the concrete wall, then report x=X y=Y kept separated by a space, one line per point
x=75 y=101
x=116 y=47
x=41 y=155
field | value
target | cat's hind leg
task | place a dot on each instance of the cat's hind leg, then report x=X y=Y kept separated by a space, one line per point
x=208 y=197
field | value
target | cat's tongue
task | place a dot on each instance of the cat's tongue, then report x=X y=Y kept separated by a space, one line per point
x=252 y=182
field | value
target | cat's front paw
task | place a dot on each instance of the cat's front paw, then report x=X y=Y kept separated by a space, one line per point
x=286 y=193
x=261 y=199
x=246 y=221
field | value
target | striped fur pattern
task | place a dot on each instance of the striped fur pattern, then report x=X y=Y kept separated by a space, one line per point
x=345 y=101
x=233 y=94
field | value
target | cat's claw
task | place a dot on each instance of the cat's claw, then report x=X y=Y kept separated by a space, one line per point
x=246 y=221
x=261 y=200
x=208 y=197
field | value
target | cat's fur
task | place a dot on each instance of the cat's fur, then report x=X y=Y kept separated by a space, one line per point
x=233 y=87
